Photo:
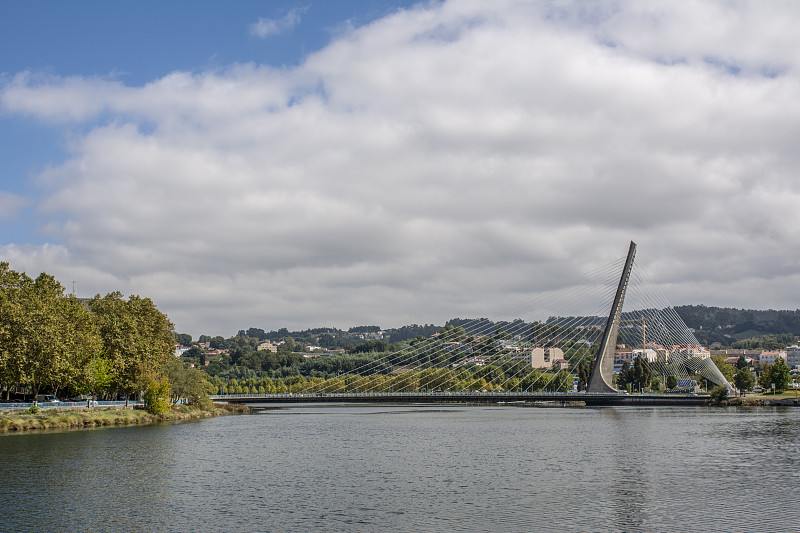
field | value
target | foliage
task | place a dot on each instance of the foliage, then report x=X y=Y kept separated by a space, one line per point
x=727 y=325
x=52 y=341
x=719 y=394
x=765 y=342
x=157 y=397
x=138 y=340
x=189 y=383
x=46 y=338
x=765 y=378
x=33 y=409
x=672 y=382
x=779 y=375
x=724 y=367
x=638 y=375
x=743 y=379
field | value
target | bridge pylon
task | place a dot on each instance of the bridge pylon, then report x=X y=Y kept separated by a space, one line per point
x=603 y=371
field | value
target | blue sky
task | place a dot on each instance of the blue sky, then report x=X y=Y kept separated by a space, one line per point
x=286 y=164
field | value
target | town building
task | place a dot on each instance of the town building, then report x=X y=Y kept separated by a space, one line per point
x=793 y=357
x=540 y=357
x=267 y=346
x=770 y=357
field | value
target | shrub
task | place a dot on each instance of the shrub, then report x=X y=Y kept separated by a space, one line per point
x=719 y=394
x=157 y=398
x=33 y=409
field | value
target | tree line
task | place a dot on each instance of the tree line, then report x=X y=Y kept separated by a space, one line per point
x=53 y=342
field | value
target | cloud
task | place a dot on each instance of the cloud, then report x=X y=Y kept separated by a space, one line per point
x=447 y=160
x=266 y=27
x=11 y=205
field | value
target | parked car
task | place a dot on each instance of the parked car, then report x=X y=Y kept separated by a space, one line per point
x=48 y=398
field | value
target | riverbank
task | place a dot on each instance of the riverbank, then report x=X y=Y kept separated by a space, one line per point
x=763 y=400
x=114 y=416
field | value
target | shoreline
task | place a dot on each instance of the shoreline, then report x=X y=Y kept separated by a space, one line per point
x=83 y=418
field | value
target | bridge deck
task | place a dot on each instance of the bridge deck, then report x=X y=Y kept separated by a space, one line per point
x=589 y=399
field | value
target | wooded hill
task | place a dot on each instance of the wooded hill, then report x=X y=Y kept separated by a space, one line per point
x=733 y=327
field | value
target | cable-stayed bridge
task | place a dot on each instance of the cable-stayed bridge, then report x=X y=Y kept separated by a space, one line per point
x=632 y=342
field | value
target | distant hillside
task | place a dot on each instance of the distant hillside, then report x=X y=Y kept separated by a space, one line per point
x=727 y=325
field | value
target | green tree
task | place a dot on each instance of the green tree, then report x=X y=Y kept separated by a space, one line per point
x=743 y=379
x=724 y=367
x=672 y=382
x=765 y=378
x=641 y=373
x=719 y=394
x=584 y=373
x=138 y=339
x=157 y=397
x=287 y=346
x=189 y=383
x=53 y=336
x=779 y=375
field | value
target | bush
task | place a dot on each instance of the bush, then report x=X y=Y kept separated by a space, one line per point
x=719 y=394
x=157 y=399
x=33 y=409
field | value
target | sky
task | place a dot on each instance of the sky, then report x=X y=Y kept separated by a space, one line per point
x=306 y=164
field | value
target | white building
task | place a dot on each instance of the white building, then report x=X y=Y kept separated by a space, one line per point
x=769 y=358
x=267 y=346
x=540 y=357
x=648 y=354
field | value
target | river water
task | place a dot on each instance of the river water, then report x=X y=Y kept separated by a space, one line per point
x=415 y=468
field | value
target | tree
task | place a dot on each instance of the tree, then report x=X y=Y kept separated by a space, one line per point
x=51 y=336
x=743 y=379
x=724 y=367
x=584 y=373
x=765 y=379
x=138 y=339
x=287 y=346
x=641 y=373
x=218 y=343
x=779 y=375
x=741 y=362
x=189 y=383
x=184 y=339
x=156 y=397
x=719 y=394
x=672 y=382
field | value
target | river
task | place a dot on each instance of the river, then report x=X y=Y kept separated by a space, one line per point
x=415 y=468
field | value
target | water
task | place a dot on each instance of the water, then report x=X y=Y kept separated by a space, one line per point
x=415 y=468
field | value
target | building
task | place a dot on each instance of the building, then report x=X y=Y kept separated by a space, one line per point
x=793 y=357
x=560 y=364
x=648 y=354
x=769 y=358
x=683 y=352
x=267 y=346
x=540 y=357
x=623 y=356
x=477 y=361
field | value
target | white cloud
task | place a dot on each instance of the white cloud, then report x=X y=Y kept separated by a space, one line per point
x=265 y=27
x=447 y=160
x=10 y=205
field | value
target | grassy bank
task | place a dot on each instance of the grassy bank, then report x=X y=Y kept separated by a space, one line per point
x=112 y=416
